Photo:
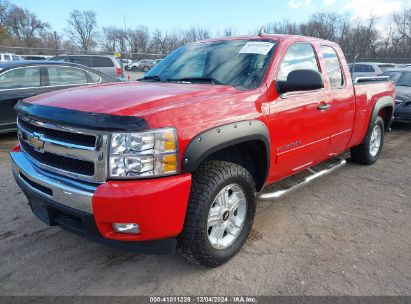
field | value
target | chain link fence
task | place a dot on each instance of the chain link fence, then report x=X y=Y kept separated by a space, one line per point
x=50 y=52
x=36 y=53
x=382 y=60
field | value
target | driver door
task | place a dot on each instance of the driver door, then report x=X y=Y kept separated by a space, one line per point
x=298 y=124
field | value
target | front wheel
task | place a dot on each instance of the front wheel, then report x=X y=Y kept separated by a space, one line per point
x=370 y=149
x=220 y=213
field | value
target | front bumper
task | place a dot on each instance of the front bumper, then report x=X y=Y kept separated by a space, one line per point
x=158 y=206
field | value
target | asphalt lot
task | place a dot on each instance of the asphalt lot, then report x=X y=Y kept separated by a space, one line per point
x=345 y=234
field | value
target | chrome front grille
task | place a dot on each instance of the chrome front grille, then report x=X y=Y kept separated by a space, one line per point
x=71 y=152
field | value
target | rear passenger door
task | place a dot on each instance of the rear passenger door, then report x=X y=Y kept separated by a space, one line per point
x=60 y=77
x=298 y=127
x=340 y=114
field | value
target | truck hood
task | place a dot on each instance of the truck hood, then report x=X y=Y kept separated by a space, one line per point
x=130 y=98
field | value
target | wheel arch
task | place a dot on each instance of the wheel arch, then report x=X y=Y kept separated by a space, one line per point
x=245 y=143
x=384 y=107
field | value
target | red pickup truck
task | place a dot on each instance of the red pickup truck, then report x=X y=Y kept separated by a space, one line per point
x=178 y=159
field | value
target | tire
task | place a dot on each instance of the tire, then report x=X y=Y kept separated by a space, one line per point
x=367 y=153
x=146 y=69
x=197 y=243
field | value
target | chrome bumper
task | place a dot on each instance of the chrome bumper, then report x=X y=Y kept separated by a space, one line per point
x=62 y=190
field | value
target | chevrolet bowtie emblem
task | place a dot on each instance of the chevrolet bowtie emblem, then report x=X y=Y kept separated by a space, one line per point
x=36 y=142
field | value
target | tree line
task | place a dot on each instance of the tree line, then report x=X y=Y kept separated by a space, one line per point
x=20 y=27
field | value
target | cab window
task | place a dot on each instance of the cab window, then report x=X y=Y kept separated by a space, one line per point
x=299 y=56
x=332 y=65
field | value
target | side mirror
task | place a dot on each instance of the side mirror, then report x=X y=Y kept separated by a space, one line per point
x=301 y=80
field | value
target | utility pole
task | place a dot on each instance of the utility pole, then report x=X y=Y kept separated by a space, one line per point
x=56 y=43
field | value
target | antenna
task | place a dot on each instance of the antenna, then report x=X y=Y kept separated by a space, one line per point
x=353 y=64
x=262 y=31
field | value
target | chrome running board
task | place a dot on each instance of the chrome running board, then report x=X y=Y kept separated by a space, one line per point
x=294 y=182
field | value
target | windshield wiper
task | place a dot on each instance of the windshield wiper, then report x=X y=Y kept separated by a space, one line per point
x=153 y=78
x=198 y=79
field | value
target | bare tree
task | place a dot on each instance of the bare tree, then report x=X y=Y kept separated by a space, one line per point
x=139 y=39
x=402 y=38
x=52 y=40
x=283 y=27
x=195 y=34
x=114 y=39
x=159 y=42
x=24 y=25
x=82 y=29
x=4 y=12
x=229 y=32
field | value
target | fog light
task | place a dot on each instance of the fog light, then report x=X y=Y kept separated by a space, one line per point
x=126 y=228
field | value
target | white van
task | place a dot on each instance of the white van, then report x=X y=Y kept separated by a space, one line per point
x=4 y=57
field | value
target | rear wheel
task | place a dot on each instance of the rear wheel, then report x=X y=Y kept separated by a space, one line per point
x=219 y=215
x=146 y=68
x=370 y=149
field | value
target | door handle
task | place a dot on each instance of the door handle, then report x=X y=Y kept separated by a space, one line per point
x=323 y=106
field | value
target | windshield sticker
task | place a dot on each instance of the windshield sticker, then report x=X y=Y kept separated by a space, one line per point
x=256 y=47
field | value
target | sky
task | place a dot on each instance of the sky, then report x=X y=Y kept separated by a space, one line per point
x=216 y=15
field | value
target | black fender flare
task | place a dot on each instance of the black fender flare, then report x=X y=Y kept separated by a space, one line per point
x=383 y=102
x=218 y=138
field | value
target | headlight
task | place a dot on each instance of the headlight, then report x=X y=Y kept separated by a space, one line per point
x=143 y=154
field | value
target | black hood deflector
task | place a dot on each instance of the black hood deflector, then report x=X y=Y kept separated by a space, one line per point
x=79 y=119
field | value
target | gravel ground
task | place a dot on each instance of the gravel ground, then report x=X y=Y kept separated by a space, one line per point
x=346 y=234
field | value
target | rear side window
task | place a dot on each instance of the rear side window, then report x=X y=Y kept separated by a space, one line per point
x=358 y=68
x=84 y=60
x=369 y=68
x=299 y=56
x=66 y=76
x=20 y=78
x=102 y=62
x=332 y=65
x=7 y=57
x=363 y=68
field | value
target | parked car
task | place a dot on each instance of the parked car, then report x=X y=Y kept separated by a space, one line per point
x=36 y=57
x=22 y=79
x=369 y=69
x=104 y=63
x=5 y=57
x=398 y=66
x=180 y=157
x=142 y=65
x=402 y=80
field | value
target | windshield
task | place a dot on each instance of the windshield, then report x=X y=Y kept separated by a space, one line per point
x=239 y=63
x=400 y=78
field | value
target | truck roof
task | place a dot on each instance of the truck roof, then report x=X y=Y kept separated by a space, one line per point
x=278 y=37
